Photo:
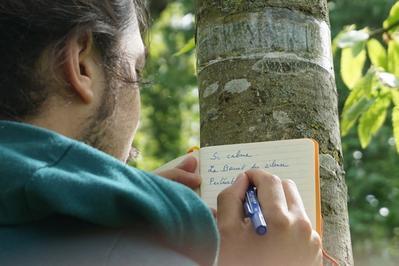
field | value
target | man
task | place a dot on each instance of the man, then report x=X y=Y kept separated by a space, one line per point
x=69 y=109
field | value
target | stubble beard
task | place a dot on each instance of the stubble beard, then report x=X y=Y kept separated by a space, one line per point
x=101 y=127
x=96 y=129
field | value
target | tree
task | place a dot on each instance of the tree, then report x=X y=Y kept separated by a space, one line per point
x=265 y=73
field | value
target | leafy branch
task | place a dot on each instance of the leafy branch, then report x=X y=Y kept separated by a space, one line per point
x=372 y=92
x=383 y=30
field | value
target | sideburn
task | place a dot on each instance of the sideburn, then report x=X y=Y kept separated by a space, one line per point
x=97 y=127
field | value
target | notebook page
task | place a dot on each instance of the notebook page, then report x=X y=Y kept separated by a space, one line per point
x=293 y=159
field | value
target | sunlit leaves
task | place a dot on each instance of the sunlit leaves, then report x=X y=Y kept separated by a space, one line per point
x=377 y=53
x=395 y=117
x=393 y=57
x=353 y=56
x=372 y=120
x=350 y=117
x=363 y=88
x=395 y=97
x=395 y=123
x=371 y=95
x=358 y=101
x=188 y=47
x=364 y=104
x=352 y=64
x=393 y=18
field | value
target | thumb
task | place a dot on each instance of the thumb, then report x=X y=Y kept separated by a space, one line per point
x=189 y=164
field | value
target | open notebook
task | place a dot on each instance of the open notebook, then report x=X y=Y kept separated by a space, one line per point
x=296 y=159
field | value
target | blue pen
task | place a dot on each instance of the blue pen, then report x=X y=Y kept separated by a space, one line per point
x=254 y=212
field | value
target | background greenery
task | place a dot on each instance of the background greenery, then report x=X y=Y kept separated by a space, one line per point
x=170 y=123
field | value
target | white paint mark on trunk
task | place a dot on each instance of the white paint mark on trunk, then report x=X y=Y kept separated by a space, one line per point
x=272 y=30
x=237 y=86
x=211 y=89
x=252 y=129
x=282 y=117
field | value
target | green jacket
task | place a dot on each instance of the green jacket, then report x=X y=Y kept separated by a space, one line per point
x=43 y=174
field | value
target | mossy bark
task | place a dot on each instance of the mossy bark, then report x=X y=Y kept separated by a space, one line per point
x=265 y=73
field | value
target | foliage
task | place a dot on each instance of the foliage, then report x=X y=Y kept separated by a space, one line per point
x=373 y=91
x=170 y=104
x=372 y=174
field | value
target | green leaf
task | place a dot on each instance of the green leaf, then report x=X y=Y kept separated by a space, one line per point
x=395 y=97
x=395 y=123
x=188 y=47
x=372 y=120
x=351 y=38
x=393 y=58
x=393 y=17
x=350 y=116
x=377 y=53
x=363 y=88
x=352 y=63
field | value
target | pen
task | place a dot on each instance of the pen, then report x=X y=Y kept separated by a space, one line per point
x=254 y=212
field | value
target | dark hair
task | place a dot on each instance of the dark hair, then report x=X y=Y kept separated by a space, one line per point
x=29 y=27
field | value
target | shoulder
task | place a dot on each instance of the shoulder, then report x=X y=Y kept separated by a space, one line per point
x=65 y=241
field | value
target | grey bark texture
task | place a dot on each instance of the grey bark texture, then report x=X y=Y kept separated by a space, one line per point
x=265 y=73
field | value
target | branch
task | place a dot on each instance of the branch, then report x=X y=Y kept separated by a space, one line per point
x=384 y=30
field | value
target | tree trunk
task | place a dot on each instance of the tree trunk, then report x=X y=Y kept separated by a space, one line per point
x=265 y=73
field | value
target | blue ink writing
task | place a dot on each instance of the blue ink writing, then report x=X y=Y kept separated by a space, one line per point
x=276 y=164
x=238 y=155
x=212 y=169
x=228 y=168
x=221 y=181
x=215 y=156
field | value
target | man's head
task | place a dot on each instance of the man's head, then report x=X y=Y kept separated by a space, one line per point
x=71 y=66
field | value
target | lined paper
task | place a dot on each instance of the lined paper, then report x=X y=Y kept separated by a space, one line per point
x=288 y=159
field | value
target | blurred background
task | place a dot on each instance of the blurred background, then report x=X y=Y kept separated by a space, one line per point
x=170 y=122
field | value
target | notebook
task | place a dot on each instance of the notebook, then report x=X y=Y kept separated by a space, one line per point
x=296 y=159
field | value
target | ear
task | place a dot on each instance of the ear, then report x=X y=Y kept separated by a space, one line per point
x=79 y=66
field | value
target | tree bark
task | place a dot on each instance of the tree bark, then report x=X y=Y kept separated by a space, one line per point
x=265 y=73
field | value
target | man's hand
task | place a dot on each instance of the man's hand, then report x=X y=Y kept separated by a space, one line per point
x=290 y=239
x=184 y=173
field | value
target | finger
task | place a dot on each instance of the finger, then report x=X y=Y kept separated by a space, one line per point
x=230 y=209
x=294 y=200
x=183 y=177
x=319 y=258
x=189 y=164
x=270 y=193
x=317 y=246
